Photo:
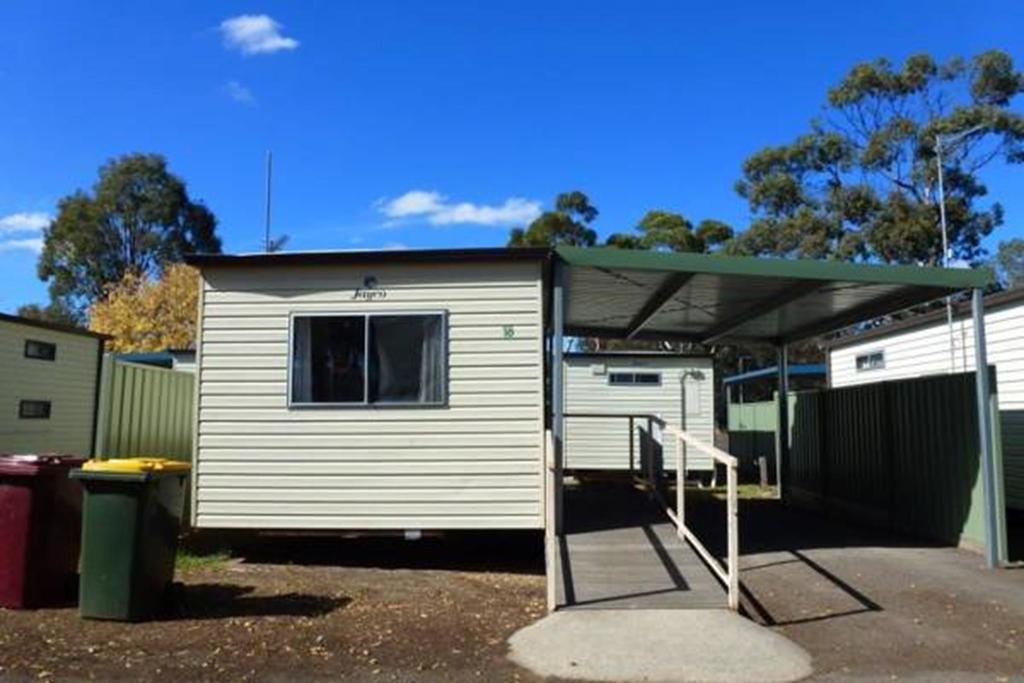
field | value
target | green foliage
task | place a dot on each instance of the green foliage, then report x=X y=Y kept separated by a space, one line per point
x=54 y=312
x=138 y=219
x=1009 y=263
x=568 y=223
x=862 y=183
x=669 y=231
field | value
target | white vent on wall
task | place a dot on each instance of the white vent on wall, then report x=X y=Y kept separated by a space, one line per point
x=598 y=369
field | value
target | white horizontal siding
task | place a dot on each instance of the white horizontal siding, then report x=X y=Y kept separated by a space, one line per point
x=474 y=463
x=603 y=444
x=925 y=351
x=68 y=383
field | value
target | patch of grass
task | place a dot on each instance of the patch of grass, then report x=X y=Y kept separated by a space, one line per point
x=186 y=560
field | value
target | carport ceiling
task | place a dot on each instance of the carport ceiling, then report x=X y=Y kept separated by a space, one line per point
x=616 y=293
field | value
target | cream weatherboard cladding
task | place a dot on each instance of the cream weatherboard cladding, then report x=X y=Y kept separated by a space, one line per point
x=68 y=383
x=924 y=350
x=603 y=444
x=475 y=462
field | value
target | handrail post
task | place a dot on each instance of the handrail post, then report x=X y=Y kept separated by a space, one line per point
x=733 y=540
x=681 y=487
x=632 y=434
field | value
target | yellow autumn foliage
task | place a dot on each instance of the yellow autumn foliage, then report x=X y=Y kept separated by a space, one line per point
x=142 y=314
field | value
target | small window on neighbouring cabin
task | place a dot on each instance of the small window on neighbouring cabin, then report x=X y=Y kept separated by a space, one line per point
x=871 y=361
x=379 y=359
x=34 y=410
x=634 y=378
x=40 y=350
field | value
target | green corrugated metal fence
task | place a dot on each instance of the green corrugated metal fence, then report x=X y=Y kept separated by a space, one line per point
x=752 y=434
x=144 y=411
x=901 y=454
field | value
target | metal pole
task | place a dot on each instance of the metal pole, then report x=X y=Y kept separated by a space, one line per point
x=988 y=473
x=266 y=225
x=945 y=249
x=782 y=432
x=557 y=385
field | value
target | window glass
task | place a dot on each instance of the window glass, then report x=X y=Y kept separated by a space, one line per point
x=871 y=361
x=40 y=350
x=406 y=359
x=632 y=378
x=34 y=410
x=329 y=359
x=375 y=358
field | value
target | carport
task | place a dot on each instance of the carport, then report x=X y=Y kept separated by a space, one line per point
x=708 y=299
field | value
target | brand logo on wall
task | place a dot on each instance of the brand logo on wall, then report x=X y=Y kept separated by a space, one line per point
x=370 y=291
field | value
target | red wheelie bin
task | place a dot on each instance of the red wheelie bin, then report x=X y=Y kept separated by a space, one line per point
x=40 y=528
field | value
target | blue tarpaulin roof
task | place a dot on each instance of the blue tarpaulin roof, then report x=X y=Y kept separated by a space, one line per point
x=772 y=371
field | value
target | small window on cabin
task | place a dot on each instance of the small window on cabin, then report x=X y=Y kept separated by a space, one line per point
x=871 y=361
x=634 y=378
x=378 y=359
x=34 y=410
x=40 y=350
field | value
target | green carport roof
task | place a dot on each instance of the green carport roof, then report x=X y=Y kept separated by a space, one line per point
x=704 y=298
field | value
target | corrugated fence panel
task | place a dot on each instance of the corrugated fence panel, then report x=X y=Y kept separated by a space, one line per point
x=147 y=412
x=901 y=454
x=752 y=434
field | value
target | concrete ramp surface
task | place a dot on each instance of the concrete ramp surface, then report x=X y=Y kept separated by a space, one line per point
x=706 y=645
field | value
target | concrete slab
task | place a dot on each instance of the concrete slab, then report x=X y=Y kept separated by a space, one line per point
x=706 y=645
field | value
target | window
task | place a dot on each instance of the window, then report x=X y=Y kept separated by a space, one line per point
x=40 y=349
x=378 y=358
x=34 y=410
x=623 y=378
x=871 y=361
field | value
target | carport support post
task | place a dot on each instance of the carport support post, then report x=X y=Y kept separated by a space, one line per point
x=988 y=473
x=782 y=425
x=558 y=384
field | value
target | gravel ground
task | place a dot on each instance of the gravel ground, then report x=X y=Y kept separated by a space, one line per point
x=873 y=606
x=867 y=606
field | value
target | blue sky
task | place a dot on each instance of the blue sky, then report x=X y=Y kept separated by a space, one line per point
x=484 y=110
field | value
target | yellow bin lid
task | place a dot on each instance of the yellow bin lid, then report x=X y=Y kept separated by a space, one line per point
x=136 y=465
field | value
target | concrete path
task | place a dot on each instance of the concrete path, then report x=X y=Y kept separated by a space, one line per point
x=706 y=645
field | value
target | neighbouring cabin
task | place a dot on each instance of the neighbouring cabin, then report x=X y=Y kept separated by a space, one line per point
x=396 y=390
x=923 y=345
x=677 y=388
x=48 y=395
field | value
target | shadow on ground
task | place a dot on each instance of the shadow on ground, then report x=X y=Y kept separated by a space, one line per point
x=516 y=552
x=224 y=600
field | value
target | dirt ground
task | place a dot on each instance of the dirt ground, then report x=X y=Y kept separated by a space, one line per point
x=867 y=606
x=307 y=609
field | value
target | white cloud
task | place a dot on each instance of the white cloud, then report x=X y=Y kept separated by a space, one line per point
x=24 y=221
x=395 y=246
x=436 y=208
x=254 y=34
x=33 y=244
x=239 y=93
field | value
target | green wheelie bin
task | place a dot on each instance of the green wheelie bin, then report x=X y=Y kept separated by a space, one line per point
x=131 y=517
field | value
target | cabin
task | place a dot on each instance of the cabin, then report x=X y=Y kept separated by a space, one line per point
x=427 y=390
x=604 y=389
x=927 y=345
x=49 y=392
x=380 y=390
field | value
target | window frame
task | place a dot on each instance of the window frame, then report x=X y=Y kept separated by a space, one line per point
x=868 y=354
x=52 y=345
x=23 y=402
x=634 y=374
x=366 y=315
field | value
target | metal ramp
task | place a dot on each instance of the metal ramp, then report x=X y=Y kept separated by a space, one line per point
x=620 y=552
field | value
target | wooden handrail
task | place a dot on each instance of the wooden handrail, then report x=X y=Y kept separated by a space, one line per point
x=730 y=574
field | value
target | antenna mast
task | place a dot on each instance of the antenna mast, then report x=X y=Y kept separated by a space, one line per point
x=266 y=234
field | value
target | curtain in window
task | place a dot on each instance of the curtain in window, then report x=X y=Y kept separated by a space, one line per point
x=432 y=367
x=302 y=362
